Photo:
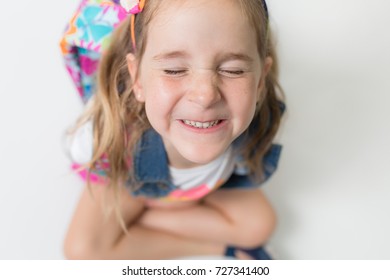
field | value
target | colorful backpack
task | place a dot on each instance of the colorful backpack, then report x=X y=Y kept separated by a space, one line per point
x=86 y=37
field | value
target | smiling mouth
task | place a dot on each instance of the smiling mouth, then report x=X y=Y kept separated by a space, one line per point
x=202 y=125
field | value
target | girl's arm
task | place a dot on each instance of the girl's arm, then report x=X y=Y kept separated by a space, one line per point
x=237 y=217
x=94 y=234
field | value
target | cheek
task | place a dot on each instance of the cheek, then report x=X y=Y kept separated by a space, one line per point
x=161 y=96
x=247 y=111
x=243 y=101
x=247 y=114
x=161 y=88
x=244 y=92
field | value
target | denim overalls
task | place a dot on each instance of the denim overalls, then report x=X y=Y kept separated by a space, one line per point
x=151 y=169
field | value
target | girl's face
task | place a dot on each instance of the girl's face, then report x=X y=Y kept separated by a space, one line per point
x=200 y=78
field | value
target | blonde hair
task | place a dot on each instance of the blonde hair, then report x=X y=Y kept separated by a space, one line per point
x=268 y=112
x=120 y=120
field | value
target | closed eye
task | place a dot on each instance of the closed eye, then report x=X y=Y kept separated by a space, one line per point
x=231 y=73
x=174 y=72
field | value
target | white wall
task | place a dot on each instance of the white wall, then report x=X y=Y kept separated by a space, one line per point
x=332 y=186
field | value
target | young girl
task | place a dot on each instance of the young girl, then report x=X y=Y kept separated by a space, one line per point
x=178 y=135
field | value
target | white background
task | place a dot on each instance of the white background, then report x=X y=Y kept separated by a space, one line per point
x=332 y=189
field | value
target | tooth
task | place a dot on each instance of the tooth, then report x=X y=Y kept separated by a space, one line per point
x=201 y=124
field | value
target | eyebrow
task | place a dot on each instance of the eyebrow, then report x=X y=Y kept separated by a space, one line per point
x=171 y=55
x=183 y=54
x=236 y=56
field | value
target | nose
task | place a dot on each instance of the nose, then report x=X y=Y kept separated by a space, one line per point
x=204 y=89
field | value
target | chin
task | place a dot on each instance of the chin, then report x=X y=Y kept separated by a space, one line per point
x=201 y=156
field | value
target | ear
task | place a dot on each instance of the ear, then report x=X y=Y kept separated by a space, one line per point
x=264 y=73
x=132 y=66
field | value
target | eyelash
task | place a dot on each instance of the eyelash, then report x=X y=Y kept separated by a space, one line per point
x=170 y=72
x=174 y=72
x=232 y=72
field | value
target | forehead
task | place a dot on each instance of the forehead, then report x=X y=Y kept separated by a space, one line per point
x=201 y=25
